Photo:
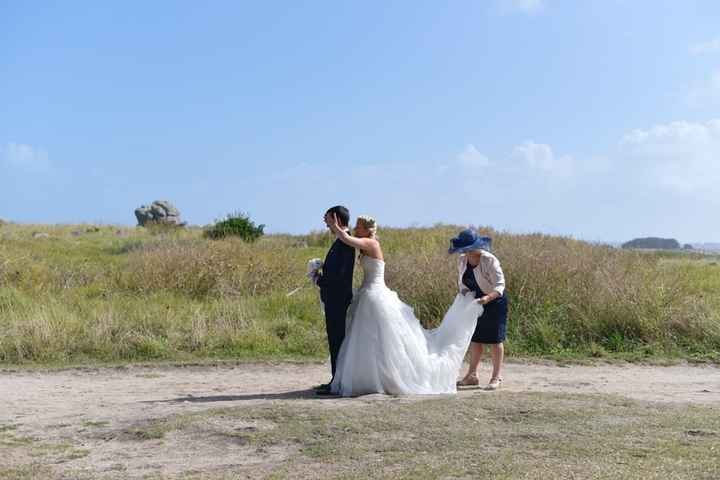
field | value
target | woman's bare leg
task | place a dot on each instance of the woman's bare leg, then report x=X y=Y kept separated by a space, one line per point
x=498 y=355
x=476 y=353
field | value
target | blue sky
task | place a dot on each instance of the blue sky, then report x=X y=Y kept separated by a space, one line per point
x=597 y=119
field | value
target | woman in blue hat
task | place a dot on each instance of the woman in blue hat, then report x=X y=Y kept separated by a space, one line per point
x=479 y=273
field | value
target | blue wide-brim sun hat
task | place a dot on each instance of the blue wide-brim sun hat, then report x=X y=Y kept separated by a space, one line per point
x=468 y=240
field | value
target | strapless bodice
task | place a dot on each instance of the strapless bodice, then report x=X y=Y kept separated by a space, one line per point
x=373 y=271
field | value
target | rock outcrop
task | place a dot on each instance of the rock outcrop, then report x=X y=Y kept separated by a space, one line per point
x=159 y=211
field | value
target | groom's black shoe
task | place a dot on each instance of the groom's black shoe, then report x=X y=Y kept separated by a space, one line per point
x=323 y=389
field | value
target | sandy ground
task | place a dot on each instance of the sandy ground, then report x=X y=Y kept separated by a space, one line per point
x=91 y=408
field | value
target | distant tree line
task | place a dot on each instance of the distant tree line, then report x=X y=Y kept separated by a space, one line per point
x=656 y=243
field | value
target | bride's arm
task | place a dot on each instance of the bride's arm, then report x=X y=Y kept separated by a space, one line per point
x=359 y=243
x=364 y=244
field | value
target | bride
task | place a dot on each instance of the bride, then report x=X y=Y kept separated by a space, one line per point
x=386 y=350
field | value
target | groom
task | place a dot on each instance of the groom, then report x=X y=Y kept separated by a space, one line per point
x=336 y=288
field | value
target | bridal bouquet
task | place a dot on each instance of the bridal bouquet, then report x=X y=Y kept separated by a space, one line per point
x=314 y=267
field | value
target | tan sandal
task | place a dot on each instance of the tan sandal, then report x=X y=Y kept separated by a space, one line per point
x=468 y=381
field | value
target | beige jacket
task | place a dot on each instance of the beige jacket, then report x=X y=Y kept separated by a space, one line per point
x=488 y=273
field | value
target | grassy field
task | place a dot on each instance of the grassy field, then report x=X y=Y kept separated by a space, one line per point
x=499 y=436
x=87 y=294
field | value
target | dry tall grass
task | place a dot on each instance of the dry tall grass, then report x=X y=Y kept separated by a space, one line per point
x=128 y=294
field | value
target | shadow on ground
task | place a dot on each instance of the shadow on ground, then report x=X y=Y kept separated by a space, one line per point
x=291 y=395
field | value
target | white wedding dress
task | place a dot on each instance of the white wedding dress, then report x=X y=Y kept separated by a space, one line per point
x=386 y=349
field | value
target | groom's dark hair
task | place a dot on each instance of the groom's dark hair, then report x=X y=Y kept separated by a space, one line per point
x=342 y=213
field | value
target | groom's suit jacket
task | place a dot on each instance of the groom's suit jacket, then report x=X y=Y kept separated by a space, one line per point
x=337 y=274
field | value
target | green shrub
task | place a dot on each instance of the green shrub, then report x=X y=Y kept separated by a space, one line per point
x=235 y=224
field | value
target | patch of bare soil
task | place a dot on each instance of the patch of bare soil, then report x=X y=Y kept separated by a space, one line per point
x=117 y=422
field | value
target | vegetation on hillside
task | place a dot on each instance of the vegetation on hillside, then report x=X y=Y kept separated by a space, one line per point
x=126 y=294
x=654 y=243
x=235 y=225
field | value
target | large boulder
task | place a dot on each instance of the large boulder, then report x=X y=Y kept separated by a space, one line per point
x=159 y=211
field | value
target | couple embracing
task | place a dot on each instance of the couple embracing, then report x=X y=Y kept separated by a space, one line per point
x=376 y=343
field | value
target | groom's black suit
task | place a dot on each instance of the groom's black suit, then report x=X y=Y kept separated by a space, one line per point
x=336 y=293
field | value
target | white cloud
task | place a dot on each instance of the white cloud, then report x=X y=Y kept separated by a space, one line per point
x=521 y=6
x=684 y=156
x=25 y=157
x=540 y=156
x=710 y=46
x=471 y=158
x=707 y=92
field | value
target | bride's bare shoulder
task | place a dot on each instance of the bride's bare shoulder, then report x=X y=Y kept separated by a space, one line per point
x=372 y=250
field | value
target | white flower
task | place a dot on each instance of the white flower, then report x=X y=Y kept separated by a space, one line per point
x=314 y=267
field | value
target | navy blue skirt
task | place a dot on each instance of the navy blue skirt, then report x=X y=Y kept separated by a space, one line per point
x=492 y=324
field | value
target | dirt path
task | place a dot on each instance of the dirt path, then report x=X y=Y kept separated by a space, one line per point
x=86 y=408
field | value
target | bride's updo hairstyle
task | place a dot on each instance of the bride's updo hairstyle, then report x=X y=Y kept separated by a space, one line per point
x=368 y=223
